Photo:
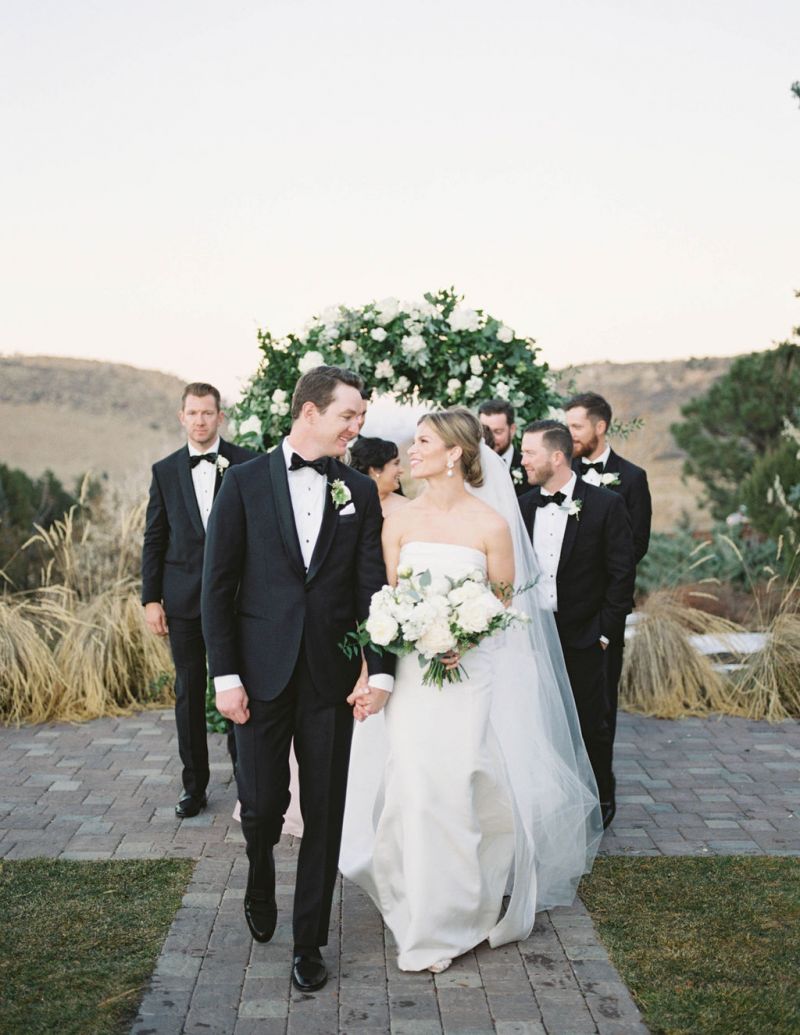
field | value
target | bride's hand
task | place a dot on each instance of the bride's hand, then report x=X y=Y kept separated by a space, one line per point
x=451 y=659
x=367 y=702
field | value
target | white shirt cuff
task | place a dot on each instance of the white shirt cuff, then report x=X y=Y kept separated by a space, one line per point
x=382 y=681
x=226 y=683
x=604 y=639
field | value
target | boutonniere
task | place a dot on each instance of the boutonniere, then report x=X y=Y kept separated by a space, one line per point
x=222 y=465
x=573 y=508
x=340 y=494
x=516 y=476
x=609 y=479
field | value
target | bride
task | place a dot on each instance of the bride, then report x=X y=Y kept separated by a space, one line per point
x=461 y=796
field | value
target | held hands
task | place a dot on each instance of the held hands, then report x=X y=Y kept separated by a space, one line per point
x=367 y=700
x=232 y=704
x=156 y=618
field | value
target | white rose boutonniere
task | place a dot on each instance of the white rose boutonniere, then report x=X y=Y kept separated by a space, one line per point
x=609 y=479
x=223 y=463
x=516 y=476
x=340 y=494
x=573 y=508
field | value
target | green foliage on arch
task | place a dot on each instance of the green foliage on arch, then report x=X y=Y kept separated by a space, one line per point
x=433 y=351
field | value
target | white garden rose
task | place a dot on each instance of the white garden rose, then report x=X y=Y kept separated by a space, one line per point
x=412 y=344
x=437 y=639
x=467 y=591
x=386 y=310
x=348 y=347
x=473 y=386
x=402 y=384
x=505 y=334
x=378 y=334
x=384 y=369
x=279 y=395
x=475 y=365
x=464 y=320
x=453 y=386
x=473 y=615
x=252 y=425
x=309 y=361
x=501 y=390
x=419 y=620
x=382 y=628
x=413 y=326
x=556 y=413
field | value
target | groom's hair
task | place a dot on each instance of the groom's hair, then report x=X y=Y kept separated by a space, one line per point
x=200 y=389
x=596 y=407
x=319 y=386
x=556 y=436
x=492 y=407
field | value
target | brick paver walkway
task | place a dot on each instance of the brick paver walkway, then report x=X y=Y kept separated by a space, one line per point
x=107 y=789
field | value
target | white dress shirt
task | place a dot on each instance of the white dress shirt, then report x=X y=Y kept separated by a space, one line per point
x=204 y=478
x=548 y=535
x=594 y=477
x=307 y=489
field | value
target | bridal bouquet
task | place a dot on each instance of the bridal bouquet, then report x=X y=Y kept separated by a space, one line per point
x=432 y=617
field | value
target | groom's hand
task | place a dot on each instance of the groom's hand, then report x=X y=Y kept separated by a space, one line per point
x=232 y=704
x=367 y=701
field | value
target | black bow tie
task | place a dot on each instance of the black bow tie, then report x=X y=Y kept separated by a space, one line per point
x=557 y=498
x=195 y=460
x=320 y=465
x=596 y=466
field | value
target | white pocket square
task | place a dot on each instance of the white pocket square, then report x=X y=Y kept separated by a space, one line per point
x=349 y=509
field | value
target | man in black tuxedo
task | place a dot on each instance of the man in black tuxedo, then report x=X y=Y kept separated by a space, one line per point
x=292 y=560
x=588 y=419
x=583 y=543
x=182 y=491
x=498 y=416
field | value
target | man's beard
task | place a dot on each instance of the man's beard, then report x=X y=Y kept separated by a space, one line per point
x=579 y=449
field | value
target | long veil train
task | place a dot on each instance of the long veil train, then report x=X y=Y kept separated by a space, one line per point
x=557 y=821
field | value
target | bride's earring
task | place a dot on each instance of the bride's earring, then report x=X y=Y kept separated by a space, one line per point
x=449 y=468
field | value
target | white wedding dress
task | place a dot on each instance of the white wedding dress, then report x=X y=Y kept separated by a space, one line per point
x=460 y=796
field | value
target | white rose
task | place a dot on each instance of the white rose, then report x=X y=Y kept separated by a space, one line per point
x=472 y=616
x=378 y=334
x=467 y=591
x=413 y=326
x=348 y=346
x=250 y=426
x=505 y=334
x=420 y=619
x=309 y=361
x=436 y=639
x=501 y=390
x=279 y=395
x=386 y=310
x=384 y=369
x=412 y=344
x=402 y=384
x=475 y=365
x=382 y=628
x=453 y=386
x=555 y=413
x=473 y=386
x=464 y=320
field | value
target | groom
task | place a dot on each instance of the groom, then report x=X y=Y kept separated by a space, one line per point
x=292 y=559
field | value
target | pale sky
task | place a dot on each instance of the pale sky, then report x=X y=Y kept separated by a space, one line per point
x=618 y=180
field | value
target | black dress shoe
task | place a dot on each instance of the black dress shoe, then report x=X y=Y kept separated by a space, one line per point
x=261 y=914
x=309 y=973
x=609 y=810
x=189 y=805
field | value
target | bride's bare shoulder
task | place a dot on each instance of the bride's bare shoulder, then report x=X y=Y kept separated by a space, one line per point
x=491 y=520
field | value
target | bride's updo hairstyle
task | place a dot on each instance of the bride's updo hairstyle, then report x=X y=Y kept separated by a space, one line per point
x=460 y=427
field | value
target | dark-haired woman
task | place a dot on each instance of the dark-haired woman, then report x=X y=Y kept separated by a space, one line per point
x=380 y=460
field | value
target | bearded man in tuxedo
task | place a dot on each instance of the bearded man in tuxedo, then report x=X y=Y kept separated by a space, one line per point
x=292 y=561
x=497 y=415
x=589 y=419
x=182 y=490
x=582 y=539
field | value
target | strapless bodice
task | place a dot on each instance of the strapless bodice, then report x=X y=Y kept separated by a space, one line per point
x=449 y=559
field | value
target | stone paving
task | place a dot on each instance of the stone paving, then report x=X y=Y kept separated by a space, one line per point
x=106 y=789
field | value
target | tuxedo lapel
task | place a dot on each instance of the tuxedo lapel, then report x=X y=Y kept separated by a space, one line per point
x=536 y=490
x=327 y=531
x=284 y=511
x=571 y=531
x=187 y=488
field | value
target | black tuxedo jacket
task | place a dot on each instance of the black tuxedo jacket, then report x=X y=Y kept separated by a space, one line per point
x=596 y=569
x=174 y=537
x=635 y=491
x=259 y=602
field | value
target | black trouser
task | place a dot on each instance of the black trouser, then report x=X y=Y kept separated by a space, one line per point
x=191 y=677
x=614 y=660
x=322 y=734
x=586 y=669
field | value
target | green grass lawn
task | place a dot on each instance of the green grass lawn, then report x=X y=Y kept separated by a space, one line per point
x=78 y=941
x=708 y=945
